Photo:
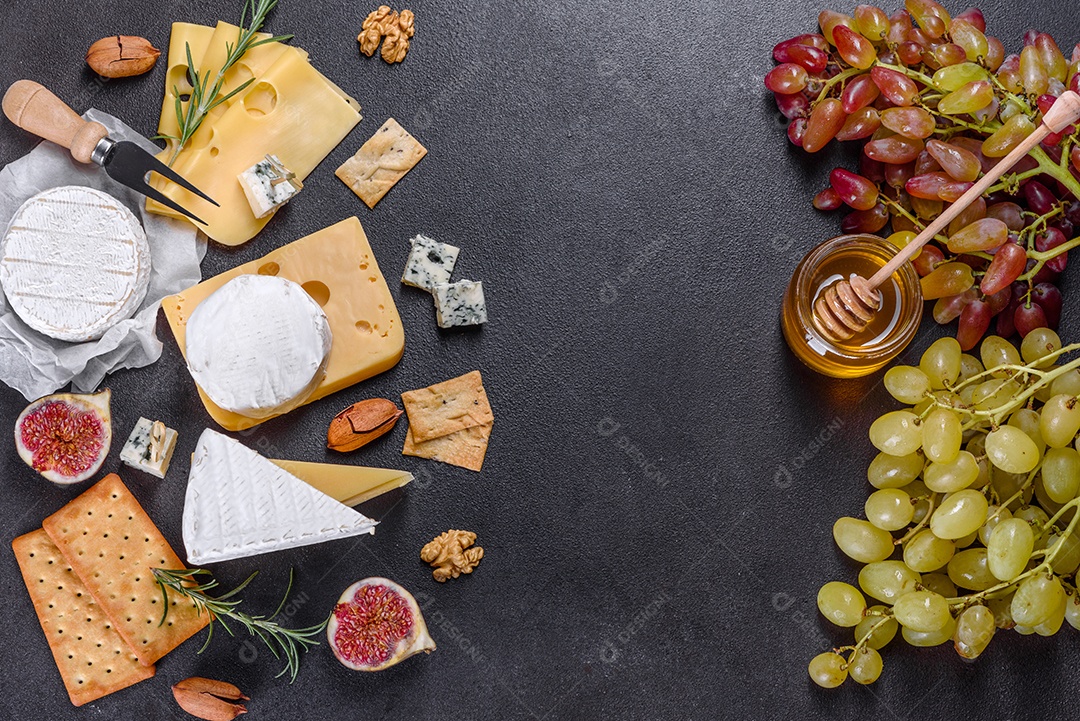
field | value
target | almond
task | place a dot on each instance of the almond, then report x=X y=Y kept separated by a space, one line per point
x=208 y=699
x=121 y=56
x=361 y=423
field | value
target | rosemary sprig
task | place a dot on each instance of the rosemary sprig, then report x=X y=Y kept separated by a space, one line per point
x=206 y=94
x=281 y=641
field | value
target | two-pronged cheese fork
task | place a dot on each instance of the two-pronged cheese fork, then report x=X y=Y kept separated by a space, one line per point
x=32 y=107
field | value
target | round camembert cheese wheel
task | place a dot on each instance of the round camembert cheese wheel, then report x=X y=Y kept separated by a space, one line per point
x=258 y=346
x=74 y=262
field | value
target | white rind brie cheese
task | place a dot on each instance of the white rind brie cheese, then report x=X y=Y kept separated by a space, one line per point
x=258 y=346
x=74 y=262
x=240 y=504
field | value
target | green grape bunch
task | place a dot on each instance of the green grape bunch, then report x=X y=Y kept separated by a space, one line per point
x=972 y=524
x=936 y=102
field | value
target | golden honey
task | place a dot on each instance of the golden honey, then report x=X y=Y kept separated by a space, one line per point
x=891 y=329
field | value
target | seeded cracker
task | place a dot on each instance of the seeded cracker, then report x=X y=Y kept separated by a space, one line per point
x=92 y=658
x=465 y=449
x=111 y=544
x=381 y=162
x=447 y=407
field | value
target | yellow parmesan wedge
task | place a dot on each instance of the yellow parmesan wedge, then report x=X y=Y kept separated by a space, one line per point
x=337 y=267
x=290 y=111
x=351 y=485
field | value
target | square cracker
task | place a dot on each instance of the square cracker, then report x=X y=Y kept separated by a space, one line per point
x=447 y=407
x=92 y=658
x=381 y=162
x=465 y=449
x=111 y=544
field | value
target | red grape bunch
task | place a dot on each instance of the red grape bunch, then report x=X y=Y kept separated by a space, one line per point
x=936 y=103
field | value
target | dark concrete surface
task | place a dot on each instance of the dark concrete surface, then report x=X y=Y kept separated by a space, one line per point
x=663 y=475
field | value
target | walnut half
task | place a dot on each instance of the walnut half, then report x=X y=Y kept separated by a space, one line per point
x=450 y=554
x=396 y=28
x=374 y=28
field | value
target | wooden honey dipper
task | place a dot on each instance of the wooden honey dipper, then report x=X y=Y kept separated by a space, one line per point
x=848 y=306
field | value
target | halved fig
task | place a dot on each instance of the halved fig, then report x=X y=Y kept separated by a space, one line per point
x=65 y=437
x=375 y=625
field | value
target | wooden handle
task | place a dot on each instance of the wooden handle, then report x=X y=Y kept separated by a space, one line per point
x=32 y=107
x=1064 y=112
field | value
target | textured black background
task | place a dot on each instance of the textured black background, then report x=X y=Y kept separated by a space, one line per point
x=663 y=475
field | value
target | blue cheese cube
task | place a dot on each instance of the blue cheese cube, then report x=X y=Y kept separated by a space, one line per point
x=268 y=185
x=430 y=263
x=460 y=303
x=150 y=447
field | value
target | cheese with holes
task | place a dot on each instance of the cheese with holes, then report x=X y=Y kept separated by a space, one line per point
x=240 y=504
x=460 y=303
x=258 y=346
x=289 y=110
x=351 y=485
x=430 y=263
x=184 y=37
x=150 y=447
x=337 y=267
x=74 y=263
x=208 y=50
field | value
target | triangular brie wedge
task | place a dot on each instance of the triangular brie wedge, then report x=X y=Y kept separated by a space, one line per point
x=351 y=485
x=240 y=504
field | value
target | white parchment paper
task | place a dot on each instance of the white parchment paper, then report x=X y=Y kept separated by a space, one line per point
x=37 y=365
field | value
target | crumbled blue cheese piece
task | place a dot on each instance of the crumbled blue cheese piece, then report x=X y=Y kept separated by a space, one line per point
x=150 y=447
x=430 y=263
x=460 y=303
x=268 y=185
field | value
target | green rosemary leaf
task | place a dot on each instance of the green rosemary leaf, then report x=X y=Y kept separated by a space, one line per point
x=206 y=91
x=275 y=39
x=283 y=642
x=164 y=603
x=221 y=100
x=288 y=589
x=206 y=643
x=192 y=70
x=241 y=587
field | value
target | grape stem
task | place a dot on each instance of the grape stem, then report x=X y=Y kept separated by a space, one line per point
x=1019 y=493
x=1058 y=171
x=1044 y=257
x=962 y=602
x=889 y=202
x=831 y=82
x=1019 y=375
x=932 y=501
x=886 y=616
x=1039 y=223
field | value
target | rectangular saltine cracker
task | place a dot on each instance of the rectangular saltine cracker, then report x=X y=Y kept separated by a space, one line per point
x=447 y=407
x=465 y=449
x=111 y=544
x=381 y=162
x=92 y=658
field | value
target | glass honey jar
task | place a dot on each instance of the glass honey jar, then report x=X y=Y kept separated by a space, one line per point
x=892 y=328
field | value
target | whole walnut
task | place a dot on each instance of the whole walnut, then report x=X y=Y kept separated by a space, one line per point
x=450 y=554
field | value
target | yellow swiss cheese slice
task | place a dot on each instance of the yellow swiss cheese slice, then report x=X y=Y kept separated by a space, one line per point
x=337 y=268
x=184 y=36
x=351 y=485
x=208 y=52
x=290 y=110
